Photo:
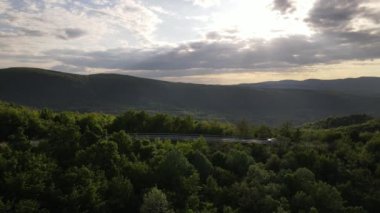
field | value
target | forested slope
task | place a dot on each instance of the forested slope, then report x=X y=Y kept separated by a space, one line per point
x=115 y=93
x=368 y=86
x=73 y=162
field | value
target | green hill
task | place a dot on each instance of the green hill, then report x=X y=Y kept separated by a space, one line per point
x=113 y=93
x=368 y=86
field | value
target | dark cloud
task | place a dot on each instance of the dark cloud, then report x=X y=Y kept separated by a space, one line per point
x=333 y=14
x=36 y=33
x=220 y=35
x=19 y=32
x=191 y=58
x=71 y=33
x=334 y=21
x=284 y=6
x=213 y=36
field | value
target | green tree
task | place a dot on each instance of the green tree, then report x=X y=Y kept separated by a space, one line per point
x=123 y=141
x=119 y=195
x=155 y=201
x=102 y=155
x=82 y=189
x=263 y=132
x=327 y=198
x=373 y=148
x=201 y=164
x=173 y=167
x=218 y=158
x=4 y=206
x=243 y=128
x=27 y=206
x=19 y=140
x=238 y=162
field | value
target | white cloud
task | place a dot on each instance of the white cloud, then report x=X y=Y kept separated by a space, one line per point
x=205 y=3
x=3 y=6
x=258 y=19
x=73 y=20
x=133 y=16
x=161 y=10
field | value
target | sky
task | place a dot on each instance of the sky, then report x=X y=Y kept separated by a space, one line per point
x=198 y=41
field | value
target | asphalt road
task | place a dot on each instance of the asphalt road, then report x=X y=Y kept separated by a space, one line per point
x=208 y=138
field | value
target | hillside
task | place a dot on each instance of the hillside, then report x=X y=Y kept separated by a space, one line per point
x=90 y=162
x=113 y=93
x=369 y=86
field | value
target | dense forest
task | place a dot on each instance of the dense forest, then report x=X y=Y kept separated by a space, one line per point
x=91 y=162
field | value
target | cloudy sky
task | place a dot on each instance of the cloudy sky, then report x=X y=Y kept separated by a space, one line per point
x=202 y=41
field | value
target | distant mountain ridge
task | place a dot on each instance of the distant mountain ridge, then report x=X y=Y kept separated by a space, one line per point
x=113 y=93
x=359 y=86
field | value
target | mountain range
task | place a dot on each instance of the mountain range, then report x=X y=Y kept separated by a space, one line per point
x=368 y=86
x=269 y=102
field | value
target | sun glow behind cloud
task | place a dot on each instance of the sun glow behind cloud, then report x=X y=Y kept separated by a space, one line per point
x=258 y=19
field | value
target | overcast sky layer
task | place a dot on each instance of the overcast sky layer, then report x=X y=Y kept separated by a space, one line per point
x=202 y=41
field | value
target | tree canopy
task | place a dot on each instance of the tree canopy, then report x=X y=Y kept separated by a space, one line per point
x=91 y=162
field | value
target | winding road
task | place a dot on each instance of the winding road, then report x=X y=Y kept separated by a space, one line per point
x=208 y=138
